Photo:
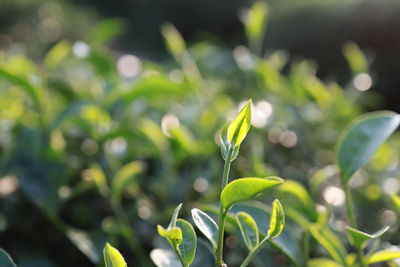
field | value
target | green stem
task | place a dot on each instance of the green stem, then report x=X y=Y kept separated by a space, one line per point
x=222 y=213
x=178 y=253
x=254 y=252
x=352 y=218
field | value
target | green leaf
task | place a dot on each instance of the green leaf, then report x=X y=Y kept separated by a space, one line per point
x=57 y=53
x=355 y=57
x=225 y=144
x=277 y=221
x=174 y=41
x=246 y=188
x=175 y=216
x=112 y=257
x=123 y=178
x=106 y=30
x=362 y=138
x=248 y=229
x=318 y=262
x=173 y=235
x=239 y=127
x=256 y=24
x=396 y=201
x=383 y=255
x=5 y=259
x=188 y=245
x=360 y=239
x=206 y=225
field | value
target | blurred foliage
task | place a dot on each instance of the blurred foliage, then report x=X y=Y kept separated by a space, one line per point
x=100 y=146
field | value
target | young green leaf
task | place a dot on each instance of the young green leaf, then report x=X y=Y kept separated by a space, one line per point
x=175 y=216
x=277 y=221
x=225 y=145
x=360 y=239
x=206 y=225
x=362 y=138
x=172 y=234
x=188 y=245
x=112 y=257
x=239 y=127
x=5 y=259
x=383 y=255
x=249 y=230
x=246 y=188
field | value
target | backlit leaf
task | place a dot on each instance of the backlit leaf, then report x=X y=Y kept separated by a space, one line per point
x=383 y=255
x=248 y=229
x=362 y=138
x=246 y=188
x=225 y=144
x=112 y=257
x=239 y=127
x=277 y=221
x=189 y=241
x=360 y=239
x=206 y=225
x=173 y=235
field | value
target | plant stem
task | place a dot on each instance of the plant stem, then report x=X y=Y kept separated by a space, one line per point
x=180 y=257
x=254 y=252
x=222 y=213
x=352 y=218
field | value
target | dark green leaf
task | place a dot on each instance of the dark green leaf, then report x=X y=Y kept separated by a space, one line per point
x=188 y=245
x=360 y=239
x=362 y=138
x=5 y=259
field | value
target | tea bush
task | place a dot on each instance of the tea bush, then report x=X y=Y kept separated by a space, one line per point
x=96 y=151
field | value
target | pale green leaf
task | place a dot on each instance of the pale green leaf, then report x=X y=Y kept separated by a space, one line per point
x=173 y=235
x=360 y=239
x=124 y=177
x=277 y=221
x=256 y=22
x=362 y=138
x=206 y=225
x=355 y=57
x=322 y=262
x=112 y=257
x=188 y=245
x=248 y=229
x=58 y=53
x=396 y=201
x=383 y=255
x=240 y=125
x=174 y=41
x=5 y=259
x=175 y=216
x=246 y=188
x=225 y=145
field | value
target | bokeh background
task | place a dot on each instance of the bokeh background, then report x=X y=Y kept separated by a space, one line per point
x=109 y=117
